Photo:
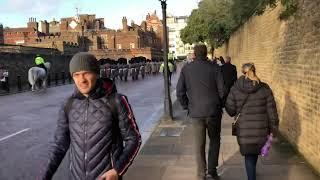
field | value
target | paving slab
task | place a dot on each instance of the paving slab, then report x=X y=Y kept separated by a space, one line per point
x=175 y=160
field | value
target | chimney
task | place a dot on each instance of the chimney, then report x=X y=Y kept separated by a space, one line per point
x=144 y=25
x=125 y=24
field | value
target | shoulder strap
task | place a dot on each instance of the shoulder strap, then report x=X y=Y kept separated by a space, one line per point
x=67 y=107
x=243 y=103
x=111 y=105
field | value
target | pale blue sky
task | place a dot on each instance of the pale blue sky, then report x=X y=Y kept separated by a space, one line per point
x=15 y=13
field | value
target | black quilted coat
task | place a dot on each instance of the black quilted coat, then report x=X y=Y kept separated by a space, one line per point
x=97 y=141
x=258 y=117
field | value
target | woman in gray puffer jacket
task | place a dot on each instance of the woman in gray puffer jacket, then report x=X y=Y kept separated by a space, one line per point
x=258 y=117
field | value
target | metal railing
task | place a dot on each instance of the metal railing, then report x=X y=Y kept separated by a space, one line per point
x=54 y=79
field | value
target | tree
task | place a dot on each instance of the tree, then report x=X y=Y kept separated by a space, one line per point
x=242 y=10
x=215 y=20
x=211 y=23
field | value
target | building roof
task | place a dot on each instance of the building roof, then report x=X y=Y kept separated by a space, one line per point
x=19 y=30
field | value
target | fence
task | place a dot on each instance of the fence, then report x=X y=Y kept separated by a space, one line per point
x=54 y=79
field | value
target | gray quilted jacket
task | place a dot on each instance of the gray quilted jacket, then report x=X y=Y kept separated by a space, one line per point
x=98 y=138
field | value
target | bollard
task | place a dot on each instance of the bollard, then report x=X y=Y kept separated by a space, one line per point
x=63 y=77
x=19 y=83
x=56 y=78
x=49 y=80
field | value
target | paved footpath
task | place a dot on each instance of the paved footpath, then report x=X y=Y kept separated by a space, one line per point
x=168 y=155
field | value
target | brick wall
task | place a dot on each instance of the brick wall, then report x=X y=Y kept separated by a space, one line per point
x=287 y=56
x=19 y=35
x=1 y=34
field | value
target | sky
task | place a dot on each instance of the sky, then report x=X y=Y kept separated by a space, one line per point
x=16 y=13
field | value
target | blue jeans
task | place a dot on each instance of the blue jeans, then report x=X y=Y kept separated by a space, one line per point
x=251 y=162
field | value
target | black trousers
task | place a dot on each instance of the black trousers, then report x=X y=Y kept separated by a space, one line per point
x=211 y=125
x=42 y=66
x=4 y=85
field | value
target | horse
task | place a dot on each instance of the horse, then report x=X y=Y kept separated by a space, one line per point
x=36 y=73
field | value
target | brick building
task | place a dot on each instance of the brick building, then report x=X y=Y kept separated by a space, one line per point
x=87 y=33
x=20 y=36
x=54 y=27
x=155 y=24
x=1 y=34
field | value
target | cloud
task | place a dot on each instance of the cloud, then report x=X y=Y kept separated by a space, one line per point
x=31 y=7
x=16 y=12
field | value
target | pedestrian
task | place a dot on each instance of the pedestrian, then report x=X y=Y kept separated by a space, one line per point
x=252 y=102
x=229 y=72
x=222 y=61
x=200 y=90
x=170 y=70
x=4 y=74
x=190 y=57
x=96 y=124
x=39 y=61
x=2 y=77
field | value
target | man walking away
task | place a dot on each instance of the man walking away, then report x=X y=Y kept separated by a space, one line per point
x=200 y=89
x=229 y=72
x=96 y=124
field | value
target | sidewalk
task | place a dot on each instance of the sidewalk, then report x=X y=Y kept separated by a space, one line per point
x=168 y=155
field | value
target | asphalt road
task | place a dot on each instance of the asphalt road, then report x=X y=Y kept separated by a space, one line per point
x=28 y=120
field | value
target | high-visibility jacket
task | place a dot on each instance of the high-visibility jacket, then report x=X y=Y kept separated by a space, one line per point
x=39 y=60
x=170 y=65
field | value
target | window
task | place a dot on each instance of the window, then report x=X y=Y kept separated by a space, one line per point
x=132 y=45
x=119 y=46
x=172 y=30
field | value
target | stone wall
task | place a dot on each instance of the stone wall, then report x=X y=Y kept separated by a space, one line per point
x=27 y=50
x=287 y=56
x=19 y=64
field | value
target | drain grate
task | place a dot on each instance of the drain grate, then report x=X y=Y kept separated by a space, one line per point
x=171 y=132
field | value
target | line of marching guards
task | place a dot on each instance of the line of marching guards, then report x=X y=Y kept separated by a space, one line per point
x=123 y=69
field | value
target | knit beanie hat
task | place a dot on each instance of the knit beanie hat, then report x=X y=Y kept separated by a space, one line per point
x=84 y=61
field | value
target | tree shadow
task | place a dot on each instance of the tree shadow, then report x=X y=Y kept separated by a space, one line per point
x=290 y=124
x=282 y=163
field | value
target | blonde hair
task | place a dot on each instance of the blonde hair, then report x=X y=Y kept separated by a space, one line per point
x=249 y=70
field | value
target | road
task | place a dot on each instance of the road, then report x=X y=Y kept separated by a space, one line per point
x=28 y=120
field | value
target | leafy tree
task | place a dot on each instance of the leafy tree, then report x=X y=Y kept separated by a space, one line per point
x=215 y=20
x=211 y=23
x=242 y=10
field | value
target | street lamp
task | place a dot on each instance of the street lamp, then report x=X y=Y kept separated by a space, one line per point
x=167 y=97
x=82 y=38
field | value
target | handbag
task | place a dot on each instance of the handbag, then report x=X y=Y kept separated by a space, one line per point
x=234 y=124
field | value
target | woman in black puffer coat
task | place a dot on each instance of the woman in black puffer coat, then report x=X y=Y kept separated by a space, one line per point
x=258 y=117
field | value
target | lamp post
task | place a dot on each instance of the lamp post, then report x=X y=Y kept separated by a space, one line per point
x=167 y=97
x=82 y=48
